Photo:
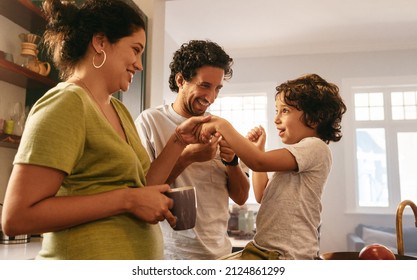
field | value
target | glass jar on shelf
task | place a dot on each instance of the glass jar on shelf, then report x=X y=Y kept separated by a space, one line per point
x=29 y=51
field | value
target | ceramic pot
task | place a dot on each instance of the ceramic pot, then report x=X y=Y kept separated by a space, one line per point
x=44 y=68
x=29 y=49
x=32 y=64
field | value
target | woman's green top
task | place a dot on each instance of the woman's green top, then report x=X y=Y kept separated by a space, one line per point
x=65 y=130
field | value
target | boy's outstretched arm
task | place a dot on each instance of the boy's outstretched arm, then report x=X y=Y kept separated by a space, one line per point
x=261 y=161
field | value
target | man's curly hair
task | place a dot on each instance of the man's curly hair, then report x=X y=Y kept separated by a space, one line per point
x=319 y=100
x=196 y=54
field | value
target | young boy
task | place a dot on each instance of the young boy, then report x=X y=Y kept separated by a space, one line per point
x=308 y=115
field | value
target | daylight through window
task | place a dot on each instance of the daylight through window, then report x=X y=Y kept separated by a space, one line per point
x=244 y=112
x=385 y=145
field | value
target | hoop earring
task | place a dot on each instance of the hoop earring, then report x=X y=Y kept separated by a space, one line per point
x=104 y=60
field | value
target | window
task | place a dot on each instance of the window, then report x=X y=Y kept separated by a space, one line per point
x=244 y=112
x=383 y=133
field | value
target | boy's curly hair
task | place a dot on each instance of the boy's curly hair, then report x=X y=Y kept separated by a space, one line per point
x=320 y=102
x=196 y=54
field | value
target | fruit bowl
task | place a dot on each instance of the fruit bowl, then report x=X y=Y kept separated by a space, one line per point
x=355 y=256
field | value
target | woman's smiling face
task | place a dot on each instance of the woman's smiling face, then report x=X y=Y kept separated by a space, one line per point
x=126 y=58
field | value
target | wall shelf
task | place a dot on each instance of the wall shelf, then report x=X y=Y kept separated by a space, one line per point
x=21 y=76
x=23 y=13
x=9 y=141
x=30 y=17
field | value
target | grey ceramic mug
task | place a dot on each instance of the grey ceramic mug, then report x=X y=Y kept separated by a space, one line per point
x=185 y=206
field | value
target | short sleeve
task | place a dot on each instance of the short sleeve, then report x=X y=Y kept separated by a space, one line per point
x=311 y=154
x=54 y=134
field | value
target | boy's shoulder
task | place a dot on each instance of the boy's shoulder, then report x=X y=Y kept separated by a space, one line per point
x=312 y=146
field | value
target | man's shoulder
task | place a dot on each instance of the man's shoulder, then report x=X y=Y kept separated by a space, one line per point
x=152 y=110
x=147 y=113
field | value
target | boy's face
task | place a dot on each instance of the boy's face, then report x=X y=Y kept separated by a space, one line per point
x=289 y=123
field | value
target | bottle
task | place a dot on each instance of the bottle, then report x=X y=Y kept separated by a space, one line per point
x=250 y=222
x=233 y=223
x=8 y=126
x=242 y=220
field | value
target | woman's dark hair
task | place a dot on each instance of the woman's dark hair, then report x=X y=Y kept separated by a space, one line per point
x=70 y=28
x=319 y=100
x=196 y=54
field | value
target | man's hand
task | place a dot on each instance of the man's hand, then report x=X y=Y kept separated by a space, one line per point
x=202 y=152
x=226 y=152
x=188 y=132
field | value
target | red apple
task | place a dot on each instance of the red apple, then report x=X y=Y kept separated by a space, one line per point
x=376 y=252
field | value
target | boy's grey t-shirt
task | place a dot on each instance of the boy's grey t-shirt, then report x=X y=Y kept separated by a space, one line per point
x=289 y=215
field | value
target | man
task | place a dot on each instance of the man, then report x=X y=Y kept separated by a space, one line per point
x=198 y=70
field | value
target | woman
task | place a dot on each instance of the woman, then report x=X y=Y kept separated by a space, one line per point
x=80 y=170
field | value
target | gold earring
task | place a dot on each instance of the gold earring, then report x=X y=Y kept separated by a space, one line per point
x=104 y=60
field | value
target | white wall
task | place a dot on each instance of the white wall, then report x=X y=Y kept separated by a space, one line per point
x=155 y=11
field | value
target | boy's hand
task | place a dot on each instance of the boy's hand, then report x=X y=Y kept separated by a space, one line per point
x=257 y=135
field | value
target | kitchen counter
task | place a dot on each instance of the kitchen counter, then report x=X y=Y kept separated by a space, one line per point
x=239 y=244
x=26 y=251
